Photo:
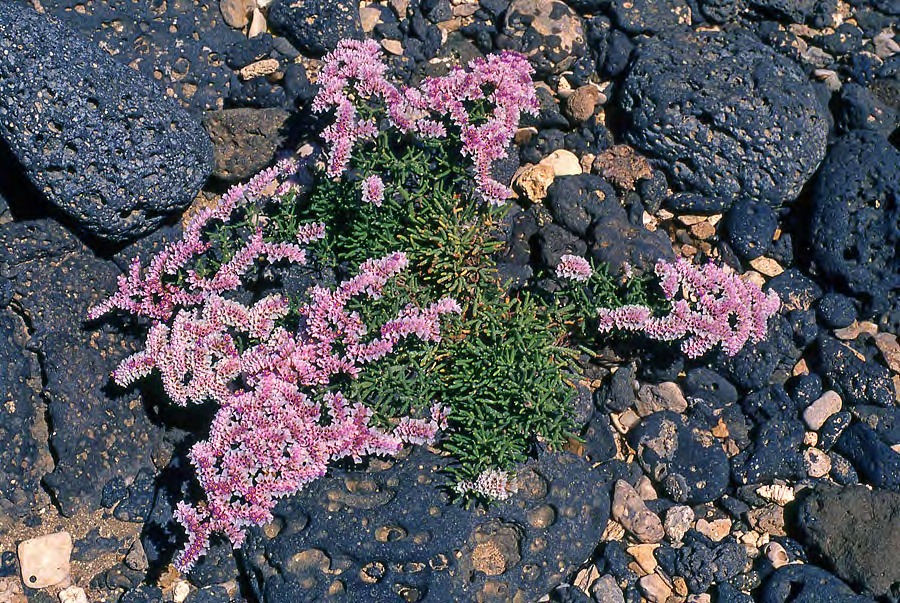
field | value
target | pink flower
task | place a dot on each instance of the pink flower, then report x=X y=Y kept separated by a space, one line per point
x=574 y=268
x=373 y=190
x=354 y=72
x=709 y=306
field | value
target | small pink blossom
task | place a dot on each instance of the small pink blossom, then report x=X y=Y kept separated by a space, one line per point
x=492 y=483
x=373 y=190
x=574 y=268
x=709 y=306
x=355 y=72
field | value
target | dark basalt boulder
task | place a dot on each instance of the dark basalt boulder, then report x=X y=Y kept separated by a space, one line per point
x=682 y=456
x=389 y=534
x=807 y=584
x=179 y=44
x=103 y=144
x=724 y=115
x=855 y=225
x=316 y=26
x=855 y=530
x=98 y=431
x=21 y=468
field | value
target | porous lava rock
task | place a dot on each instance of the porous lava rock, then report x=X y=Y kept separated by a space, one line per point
x=724 y=115
x=98 y=432
x=389 y=534
x=316 y=26
x=682 y=456
x=548 y=32
x=104 y=145
x=856 y=530
x=807 y=584
x=179 y=44
x=855 y=224
x=20 y=468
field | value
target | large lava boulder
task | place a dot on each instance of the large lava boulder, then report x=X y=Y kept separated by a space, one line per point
x=856 y=530
x=855 y=230
x=103 y=144
x=390 y=534
x=724 y=115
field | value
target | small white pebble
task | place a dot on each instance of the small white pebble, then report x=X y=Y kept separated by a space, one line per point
x=776 y=555
x=73 y=594
x=181 y=591
x=818 y=463
x=822 y=409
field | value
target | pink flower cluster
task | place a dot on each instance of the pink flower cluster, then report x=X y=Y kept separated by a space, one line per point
x=354 y=73
x=279 y=425
x=709 y=306
x=573 y=268
x=152 y=291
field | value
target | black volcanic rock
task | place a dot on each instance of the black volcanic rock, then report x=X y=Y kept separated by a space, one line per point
x=724 y=116
x=103 y=144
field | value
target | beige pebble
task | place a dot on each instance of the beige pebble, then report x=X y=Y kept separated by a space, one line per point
x=563 y=163
x=768 y=519
x=258 y=24
x=776 y=554
x=582 y=102
x=236 y=12
x=394 y=47
x=691 y=220
x=44 y=561
x=629 y=510
x=703 y=230
x=678 y=521
x=181 y=591
x=259 y=69
x=655 y=588
x=655 y=398
x=626 y=421
x=822 y=409
x=818 y=463
x=780 y=494
x=73 y=594
x=767 y=266
x=810 y=438
x=643 y=554
x=369 y=17
x=645 y=489
x=702 y=598
x=715 y=530
x=890 y=349
x=532 y=181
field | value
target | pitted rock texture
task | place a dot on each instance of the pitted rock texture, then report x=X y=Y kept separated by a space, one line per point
x=854 y=231
x=392 y=535
x=807 y=584
x=99 y=432
x=548 y=32
x=245 y=140
x=681 y=456
x=316 y=26
x=20 y=446
x=856 y=530
x=724 y=115
x=179 y=44
x=103 y=144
